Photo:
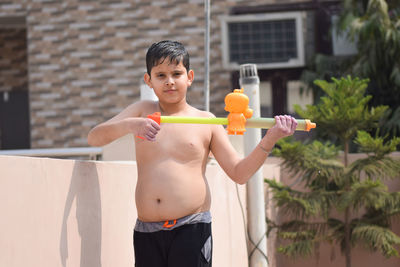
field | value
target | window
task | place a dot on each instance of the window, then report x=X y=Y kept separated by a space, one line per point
x=268 y=40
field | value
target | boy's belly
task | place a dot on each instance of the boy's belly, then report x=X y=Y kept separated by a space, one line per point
x=171 y=191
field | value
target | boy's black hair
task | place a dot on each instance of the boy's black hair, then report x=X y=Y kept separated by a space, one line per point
x=174 y=51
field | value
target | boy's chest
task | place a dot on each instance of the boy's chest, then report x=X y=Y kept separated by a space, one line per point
x=183 y=141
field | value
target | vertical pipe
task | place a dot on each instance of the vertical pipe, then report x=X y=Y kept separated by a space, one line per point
x=207 y=56
x=256 y=225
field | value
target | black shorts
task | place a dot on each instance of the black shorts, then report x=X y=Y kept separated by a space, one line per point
x=183 y=245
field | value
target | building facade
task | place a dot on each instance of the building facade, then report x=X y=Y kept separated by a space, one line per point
x=66 y=66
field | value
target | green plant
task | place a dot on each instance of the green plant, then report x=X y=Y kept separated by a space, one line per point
x=374 y=25
x=345 y=203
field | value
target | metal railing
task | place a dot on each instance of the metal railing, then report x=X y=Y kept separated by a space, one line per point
x=93 y=153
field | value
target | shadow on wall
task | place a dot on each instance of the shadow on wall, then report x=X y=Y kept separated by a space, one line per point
x=85 y=189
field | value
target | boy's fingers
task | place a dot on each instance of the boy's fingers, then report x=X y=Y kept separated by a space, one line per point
x=153 y=130
x=150 y=137
x=285 y=122
x=155 y=125
x=294 y=124
x=152 y=127
x=149 y=130
x=288 y=121
x=278 y=121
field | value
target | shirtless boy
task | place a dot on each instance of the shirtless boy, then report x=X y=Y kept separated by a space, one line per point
x=172 y=195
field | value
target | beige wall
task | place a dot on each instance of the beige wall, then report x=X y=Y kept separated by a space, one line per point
x=81 y=213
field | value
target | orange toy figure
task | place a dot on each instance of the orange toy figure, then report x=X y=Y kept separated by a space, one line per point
x=237 y=104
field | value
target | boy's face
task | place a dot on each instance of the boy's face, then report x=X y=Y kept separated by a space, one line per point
x=169 y=81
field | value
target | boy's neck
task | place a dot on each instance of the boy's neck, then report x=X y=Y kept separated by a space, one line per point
x=171 y=109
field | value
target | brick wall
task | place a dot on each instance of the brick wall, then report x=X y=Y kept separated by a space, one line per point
x=86 y=58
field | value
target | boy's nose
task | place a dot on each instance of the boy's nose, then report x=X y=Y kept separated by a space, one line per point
x=170 y=81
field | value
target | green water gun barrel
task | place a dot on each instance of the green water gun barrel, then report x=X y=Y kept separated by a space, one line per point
x=266 y=123
x=263 y=123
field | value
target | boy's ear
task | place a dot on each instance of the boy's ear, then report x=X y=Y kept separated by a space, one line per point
x=190 y=77
x=147 y=80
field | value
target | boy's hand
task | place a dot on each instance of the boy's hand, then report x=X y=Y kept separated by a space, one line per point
x=284 y=126
x=148 y=129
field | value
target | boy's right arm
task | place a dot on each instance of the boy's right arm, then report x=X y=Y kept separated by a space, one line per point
x=127 y=121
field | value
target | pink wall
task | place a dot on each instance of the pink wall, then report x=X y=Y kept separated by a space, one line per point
x=328 y=256
x=81 y=213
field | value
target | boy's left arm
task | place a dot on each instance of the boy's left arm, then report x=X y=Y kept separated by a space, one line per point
x=238 y=169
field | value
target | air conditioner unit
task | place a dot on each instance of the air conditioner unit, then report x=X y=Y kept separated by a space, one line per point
x=273 y=40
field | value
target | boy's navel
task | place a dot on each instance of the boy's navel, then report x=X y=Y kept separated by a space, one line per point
x=158 y=200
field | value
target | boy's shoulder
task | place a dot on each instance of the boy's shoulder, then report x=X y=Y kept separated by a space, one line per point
x=147 y=103
x=201 y=113
x=143 y=108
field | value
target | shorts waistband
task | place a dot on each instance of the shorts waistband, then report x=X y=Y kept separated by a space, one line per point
x=148 y=227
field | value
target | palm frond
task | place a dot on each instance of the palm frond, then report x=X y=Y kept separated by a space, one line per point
x=379 y=217
x=366 y=193
x=301 y=204
x=375 y=145
x=376 y=168
x=316 y=163
x=377 y=238
x=319 y=228
x=302 y=248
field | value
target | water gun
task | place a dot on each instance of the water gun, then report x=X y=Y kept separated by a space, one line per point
x=263 y=123
x=238 y=119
